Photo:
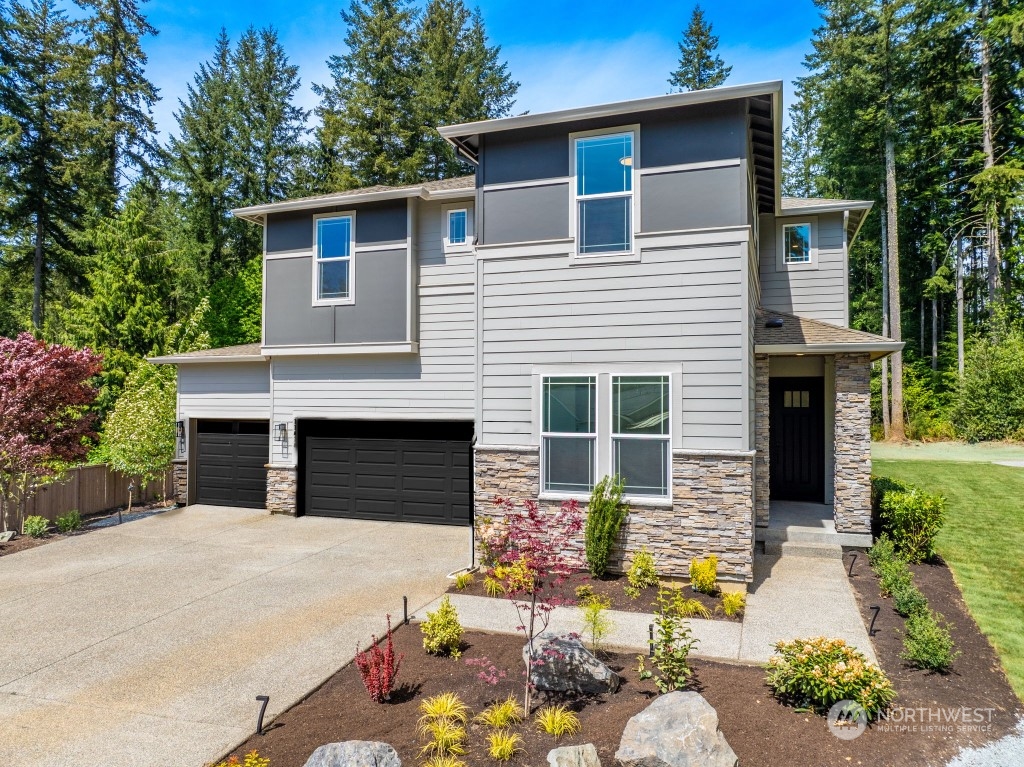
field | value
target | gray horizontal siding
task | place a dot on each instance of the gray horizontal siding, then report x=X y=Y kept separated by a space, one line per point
x=224 y=390
x=819 y=294
x=678 y=307
x=438 y=269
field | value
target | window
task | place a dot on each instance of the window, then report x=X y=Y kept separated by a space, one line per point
x=641 y=451
x=604 y=193
x=796 y=399
x=457 y=227
x=569 y=434
x=796 y=243
x=333 y=270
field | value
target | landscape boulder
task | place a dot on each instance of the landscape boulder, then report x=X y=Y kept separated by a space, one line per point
x=355 y=753
x=563 y=664
x=679 y=729
x=574 y=756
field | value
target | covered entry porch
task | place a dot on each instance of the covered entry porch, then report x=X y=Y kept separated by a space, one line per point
x=813 y=430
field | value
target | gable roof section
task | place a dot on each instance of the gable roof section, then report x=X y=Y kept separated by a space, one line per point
x=856 y=210
x=241 y=353
x=801 y=335
x=448 y=188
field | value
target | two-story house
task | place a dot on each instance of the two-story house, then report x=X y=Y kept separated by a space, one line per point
x=617 y=290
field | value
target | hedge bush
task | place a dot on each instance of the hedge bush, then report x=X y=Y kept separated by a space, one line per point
x=927 y=643
x=605 y=515
x=911 y=517
x=442 y=632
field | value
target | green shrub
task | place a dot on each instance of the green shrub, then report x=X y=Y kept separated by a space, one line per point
x=584 y=592
x=442 y=632
x=879 y=487
x=913 y=520
x=893 y=576
x=642 y=573
x=34 y=526
x=927 y=643
x=818 y=672
x=733 y=603
x=68 y=523
x=596 y=624
x=989 y=399
x=605 y=515
x=883 y=551
x=672 y=645
x=704 y=575
x=908 y=600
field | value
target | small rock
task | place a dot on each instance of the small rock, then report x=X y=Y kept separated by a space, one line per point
x=679 y=729
x=574 y=756
x=565 y=665
x=355 y=753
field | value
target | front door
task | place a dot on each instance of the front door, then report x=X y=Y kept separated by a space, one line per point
x=797 y=427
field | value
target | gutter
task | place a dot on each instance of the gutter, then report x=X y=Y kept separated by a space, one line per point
x=878 y=349
x=184 y=359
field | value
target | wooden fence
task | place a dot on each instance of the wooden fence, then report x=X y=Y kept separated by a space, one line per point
x=92 y=489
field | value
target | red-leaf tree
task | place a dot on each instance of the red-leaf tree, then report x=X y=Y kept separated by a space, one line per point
x=539 y=550
x=44 y=419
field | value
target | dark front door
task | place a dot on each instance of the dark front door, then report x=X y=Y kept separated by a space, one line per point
x=395 y=471
x=231 y=461
x=797 y=426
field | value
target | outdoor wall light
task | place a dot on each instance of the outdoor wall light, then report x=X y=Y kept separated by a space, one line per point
x=180 y=429
x=281 y=430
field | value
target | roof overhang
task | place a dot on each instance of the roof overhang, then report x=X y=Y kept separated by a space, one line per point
x=257 y=213
x=877 y=350
x=186 y=359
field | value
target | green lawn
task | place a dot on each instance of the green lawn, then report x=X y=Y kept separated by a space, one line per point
x=983 y=542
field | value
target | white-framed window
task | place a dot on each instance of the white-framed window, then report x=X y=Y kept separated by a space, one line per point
x=569 y=433
x=603 y=164
x=614 y=423
x=641 y=436
x=334 y=266
x=458 y=227
x=797 y=245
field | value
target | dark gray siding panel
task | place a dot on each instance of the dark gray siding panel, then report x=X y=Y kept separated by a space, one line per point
x=381 y=222
x=289 y=231
x=290 y=316
x=694 y=199
x=379 y=313
x=524 y=215
x=526 y=155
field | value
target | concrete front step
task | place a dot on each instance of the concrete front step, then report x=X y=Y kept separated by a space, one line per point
x=799 y=534
x=803 y=549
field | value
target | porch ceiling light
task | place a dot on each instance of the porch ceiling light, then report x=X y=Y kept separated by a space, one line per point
x=626 y=161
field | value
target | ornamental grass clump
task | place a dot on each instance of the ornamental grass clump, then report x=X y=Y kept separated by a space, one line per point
x=501 y=714
x=815 y=673
x=733 y=603
x=252 y=759
x=378 y=667
x=557 y=721
x=442 y=632
x=503 y=745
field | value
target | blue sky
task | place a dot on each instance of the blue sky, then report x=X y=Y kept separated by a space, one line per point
x=564 y=54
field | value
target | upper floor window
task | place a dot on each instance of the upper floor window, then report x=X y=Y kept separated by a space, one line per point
x=604 y=193
x=333 y=275
x=796 y=243
x=457 y=227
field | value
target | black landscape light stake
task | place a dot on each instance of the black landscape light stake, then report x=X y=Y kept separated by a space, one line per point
x=263 y=700
x=650 y=640
x=853 y=561
x=871 y=629
x=405 y=610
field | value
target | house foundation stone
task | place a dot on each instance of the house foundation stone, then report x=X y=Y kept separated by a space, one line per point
x=282 y=485
x=853 y=444
x=179 y=481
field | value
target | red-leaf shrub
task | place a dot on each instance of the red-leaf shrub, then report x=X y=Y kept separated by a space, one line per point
x=378 y=668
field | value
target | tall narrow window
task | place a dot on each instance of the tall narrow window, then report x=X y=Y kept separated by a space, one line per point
x=604 y=194
x=569 y=434
x=641 y=450
x=334 y=258
x=457 y=229
x=797 y=243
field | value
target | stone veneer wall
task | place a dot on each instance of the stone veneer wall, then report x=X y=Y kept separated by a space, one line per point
x=853 y=443
x=711 y=512
x=762 y=441
x=179 y=480
x=282 y=486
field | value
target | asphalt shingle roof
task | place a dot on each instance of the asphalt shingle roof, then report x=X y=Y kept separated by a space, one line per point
x=801 y=330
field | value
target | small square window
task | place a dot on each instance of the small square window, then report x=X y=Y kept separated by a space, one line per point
x=797 y=243
x=457 y=227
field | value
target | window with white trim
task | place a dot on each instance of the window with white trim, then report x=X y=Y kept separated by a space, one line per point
x=604 y=193
x=334 y=247
x=569 y=433
x=641 y=448
x=796 y=243
x=458 y=226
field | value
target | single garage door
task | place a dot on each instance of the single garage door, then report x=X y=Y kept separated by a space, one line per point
x=231 y=461
x=388 y=470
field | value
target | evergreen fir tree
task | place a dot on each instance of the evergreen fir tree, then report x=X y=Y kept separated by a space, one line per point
x=700 y=66
x=369 y=129
x=801 y=154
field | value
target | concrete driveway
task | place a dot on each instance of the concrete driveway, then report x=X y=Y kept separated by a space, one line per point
x=148 y=643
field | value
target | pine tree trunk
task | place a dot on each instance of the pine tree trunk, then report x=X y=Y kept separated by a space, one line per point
x=886 y=425
x=935 y=326
x=988 y=142
x=898 y=429
x=37 y=277
x=960 y=305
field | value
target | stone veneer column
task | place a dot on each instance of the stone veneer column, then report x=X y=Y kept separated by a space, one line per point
x=282 y=484
x=853 y=444
x=179 y=480
x=762 y=441
x=711 y=511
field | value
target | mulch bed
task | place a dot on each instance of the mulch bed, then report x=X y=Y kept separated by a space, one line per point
x=613 y=587
x=89 y=523
x=762 y=731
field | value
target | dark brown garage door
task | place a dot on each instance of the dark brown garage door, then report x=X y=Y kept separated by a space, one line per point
x=231 y=460
x=394 y=471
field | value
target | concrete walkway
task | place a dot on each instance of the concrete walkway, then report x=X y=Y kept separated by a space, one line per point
x=790 y=597
x=147 y=643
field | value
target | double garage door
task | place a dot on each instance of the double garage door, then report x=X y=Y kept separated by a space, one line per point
x=387 y=470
